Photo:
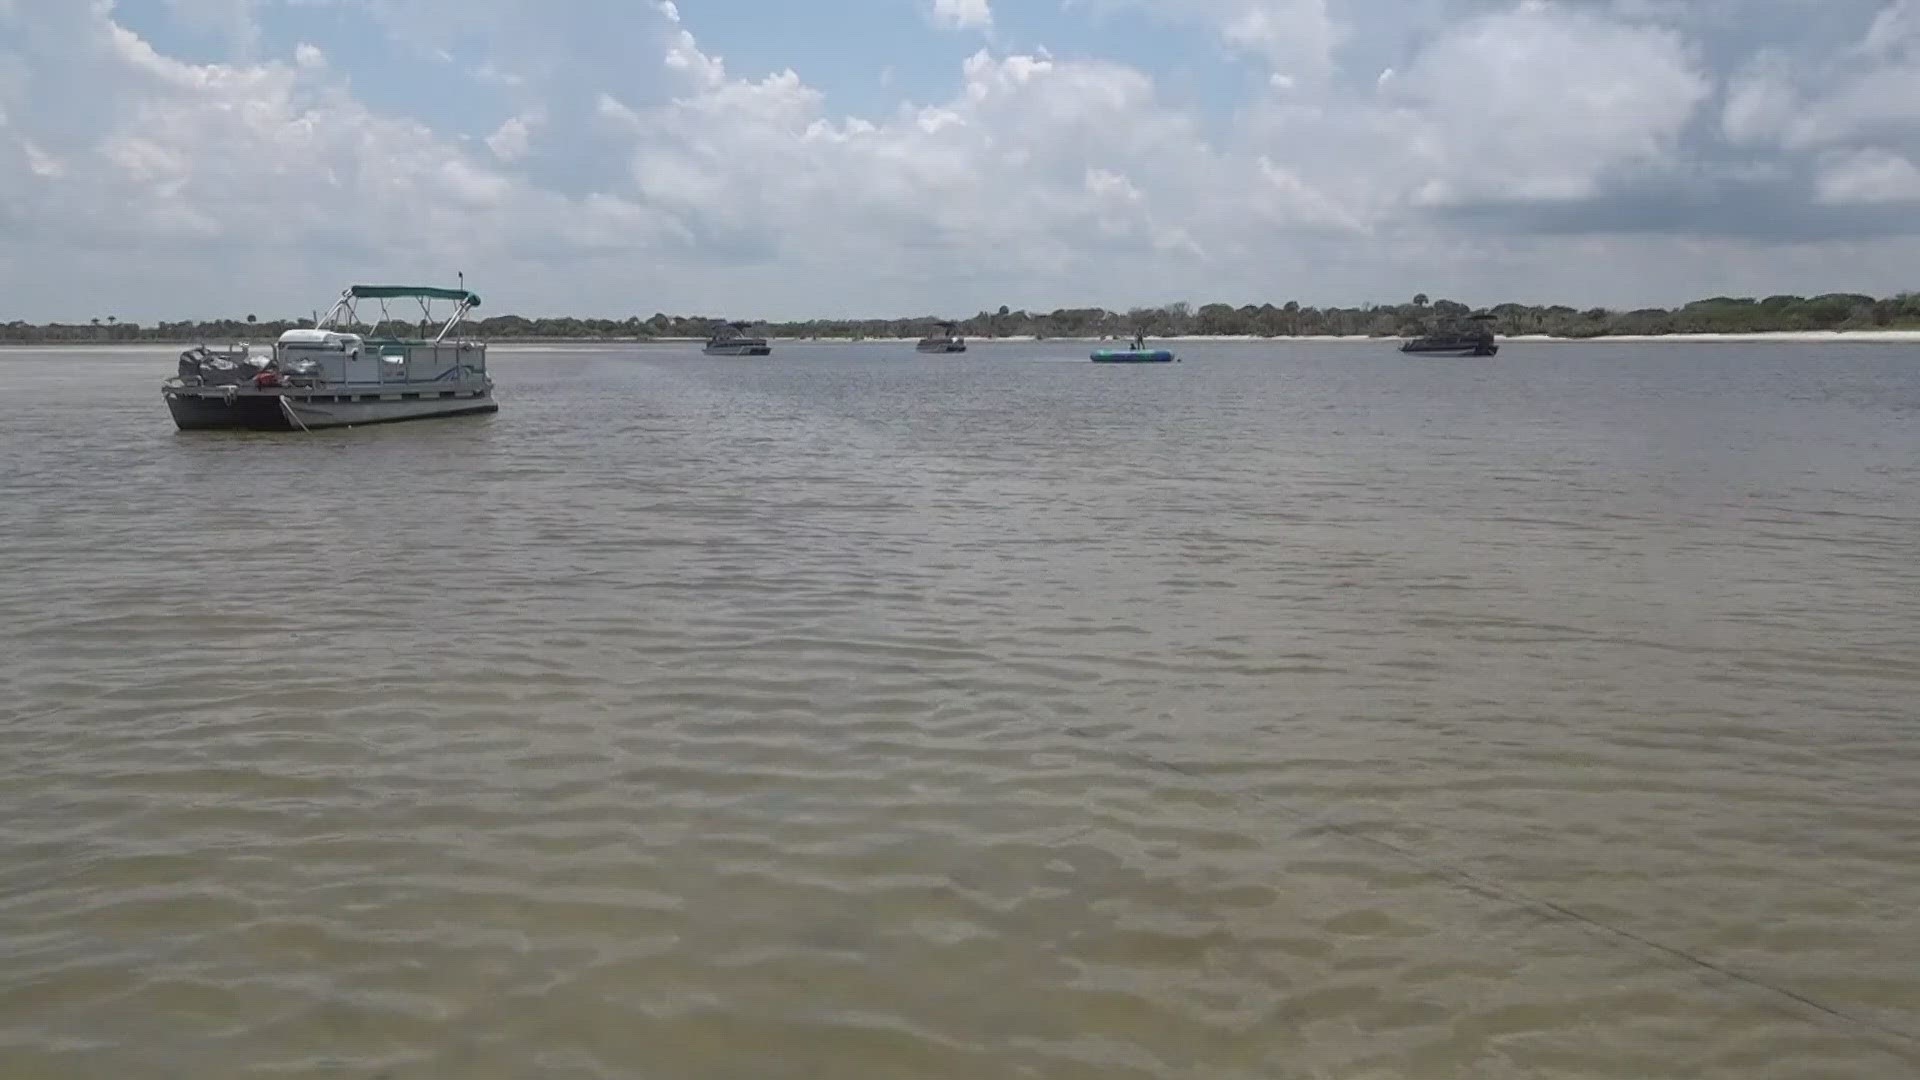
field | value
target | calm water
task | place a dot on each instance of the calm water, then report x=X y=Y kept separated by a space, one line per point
x=1283 y=713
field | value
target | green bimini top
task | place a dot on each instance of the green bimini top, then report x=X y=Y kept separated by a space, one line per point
x=425 y=292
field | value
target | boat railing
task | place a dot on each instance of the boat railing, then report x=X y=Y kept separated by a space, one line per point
x=394 y=362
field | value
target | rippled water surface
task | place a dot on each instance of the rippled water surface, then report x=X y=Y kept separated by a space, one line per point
x=1294 y=711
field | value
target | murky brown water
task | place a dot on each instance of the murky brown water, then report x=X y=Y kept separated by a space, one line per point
x=1284 y=713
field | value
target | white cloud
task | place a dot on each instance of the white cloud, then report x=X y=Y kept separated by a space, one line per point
x=963 y=14
x=511 y=141
x=1554 y=99
x=41 y=163
x=1761 y=100
x=192 y=164
x=1112 y=187
x=619 y=139
x=1032 y=166
x=1295 y=38
x=1867 y=177
x=1558 y=103
x=1895 y=28
x=1874 y=101
x=1865 y=95
x=1288 y=201
x=684 y=56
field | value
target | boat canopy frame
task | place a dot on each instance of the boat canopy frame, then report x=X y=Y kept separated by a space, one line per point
x=342 y=314
x=730 y=330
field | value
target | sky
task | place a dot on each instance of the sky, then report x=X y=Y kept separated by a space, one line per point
x=794 y=158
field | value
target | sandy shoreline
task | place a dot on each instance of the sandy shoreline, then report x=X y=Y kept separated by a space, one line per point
x=1789 y=336
x=1807 y=336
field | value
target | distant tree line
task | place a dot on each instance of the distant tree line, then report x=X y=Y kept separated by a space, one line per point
x=1718 y=315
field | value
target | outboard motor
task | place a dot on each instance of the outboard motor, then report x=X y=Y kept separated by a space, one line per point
x=219 y=370
x=190 y=365
x=202 y=366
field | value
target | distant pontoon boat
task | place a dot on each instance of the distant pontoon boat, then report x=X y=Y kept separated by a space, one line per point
x=731 y=340
x=945 y=341
x=1455 y=340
